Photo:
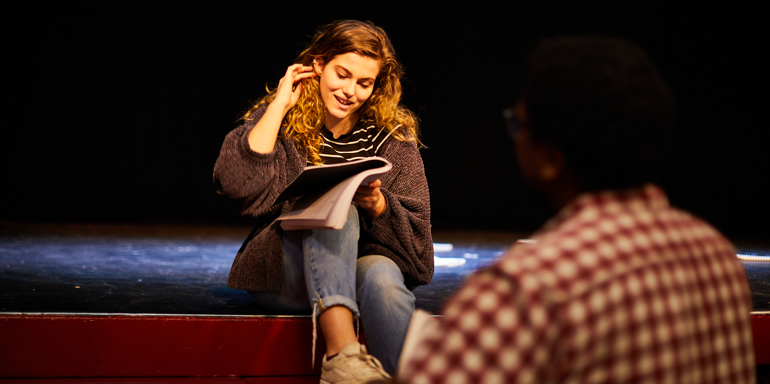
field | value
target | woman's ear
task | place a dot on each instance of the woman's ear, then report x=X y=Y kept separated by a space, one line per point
x=318 y=65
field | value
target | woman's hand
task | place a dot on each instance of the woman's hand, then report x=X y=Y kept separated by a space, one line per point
x=370 y=198
x=289 y=87
x=262 y=136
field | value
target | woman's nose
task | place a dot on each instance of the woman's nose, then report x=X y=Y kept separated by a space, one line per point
x=349 y=89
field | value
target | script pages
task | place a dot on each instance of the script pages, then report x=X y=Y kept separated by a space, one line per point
x=327 y=191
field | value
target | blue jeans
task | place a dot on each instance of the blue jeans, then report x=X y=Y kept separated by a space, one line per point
x=322 y=267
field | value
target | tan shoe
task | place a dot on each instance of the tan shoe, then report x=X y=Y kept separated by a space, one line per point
x=352 y=365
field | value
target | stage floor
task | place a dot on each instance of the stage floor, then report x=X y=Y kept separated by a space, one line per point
x=157 y=269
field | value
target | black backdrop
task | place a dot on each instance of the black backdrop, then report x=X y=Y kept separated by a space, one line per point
x=116 y=112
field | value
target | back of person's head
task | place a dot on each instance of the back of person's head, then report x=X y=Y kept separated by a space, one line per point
x=603 y=104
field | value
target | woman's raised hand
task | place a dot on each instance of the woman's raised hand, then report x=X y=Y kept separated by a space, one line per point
x=262 y=136
x=289 y=87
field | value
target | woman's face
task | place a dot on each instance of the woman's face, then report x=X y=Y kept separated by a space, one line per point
x=346 y=82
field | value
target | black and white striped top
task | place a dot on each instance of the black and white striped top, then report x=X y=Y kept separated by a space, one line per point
x=359 y=143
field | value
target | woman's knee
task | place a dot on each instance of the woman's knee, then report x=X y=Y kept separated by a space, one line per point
x=349 y=233
x=379 y=275
x=352 y=224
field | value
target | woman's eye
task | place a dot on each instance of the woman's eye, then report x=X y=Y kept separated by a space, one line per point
x=341 y=76
x=364 y=85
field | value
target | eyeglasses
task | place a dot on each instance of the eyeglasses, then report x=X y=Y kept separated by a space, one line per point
x=512 y=122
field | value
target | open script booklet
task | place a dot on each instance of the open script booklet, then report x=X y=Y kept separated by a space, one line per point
x=327 y=191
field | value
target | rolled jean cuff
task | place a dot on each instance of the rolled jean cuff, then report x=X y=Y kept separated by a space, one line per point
x=334 y=300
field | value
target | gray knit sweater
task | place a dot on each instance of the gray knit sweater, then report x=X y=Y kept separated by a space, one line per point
x=253 y=180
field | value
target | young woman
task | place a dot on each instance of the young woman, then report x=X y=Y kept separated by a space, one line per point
x=338 y=102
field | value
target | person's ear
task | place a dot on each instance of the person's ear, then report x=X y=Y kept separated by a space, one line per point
x=318 y=65
x=552 y=163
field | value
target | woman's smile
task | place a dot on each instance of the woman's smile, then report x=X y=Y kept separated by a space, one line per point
x=344 y=102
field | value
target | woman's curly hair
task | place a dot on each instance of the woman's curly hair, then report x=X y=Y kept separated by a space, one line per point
x=303 y=123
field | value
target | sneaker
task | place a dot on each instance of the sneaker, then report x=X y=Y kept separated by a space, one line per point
x=352 y=365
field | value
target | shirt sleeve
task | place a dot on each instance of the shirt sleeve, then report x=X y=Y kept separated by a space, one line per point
x=253 y=180
x=402 y=231
x=490 y=332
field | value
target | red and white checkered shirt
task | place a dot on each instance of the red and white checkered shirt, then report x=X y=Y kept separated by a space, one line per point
x=618 y=288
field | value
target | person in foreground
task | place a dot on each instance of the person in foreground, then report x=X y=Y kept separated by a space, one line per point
x=338 y=102
x=618 y=286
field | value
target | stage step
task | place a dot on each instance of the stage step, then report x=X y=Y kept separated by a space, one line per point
x=125 y=348
x=123 y=345
x=172 y=380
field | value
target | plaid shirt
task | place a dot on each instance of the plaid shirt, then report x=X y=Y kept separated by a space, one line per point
x=619 y=287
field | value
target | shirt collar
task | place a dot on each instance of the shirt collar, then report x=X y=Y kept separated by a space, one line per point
x=648 y=197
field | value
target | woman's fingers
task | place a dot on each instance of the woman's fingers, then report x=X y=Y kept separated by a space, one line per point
x=305 y=73
x=298 y=72
x=295 y=73
x=368 y=195
x=288 y=88
x=297 y=87
x=297 y=68
x=370 y=198
x=371 y=188
x=291 y=71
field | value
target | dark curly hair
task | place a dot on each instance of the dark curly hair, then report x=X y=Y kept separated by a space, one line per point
x=602 y=102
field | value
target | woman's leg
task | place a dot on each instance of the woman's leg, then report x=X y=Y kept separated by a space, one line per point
x=386 y=307
x=317 y=264
x=329 y=265
x=323 y=263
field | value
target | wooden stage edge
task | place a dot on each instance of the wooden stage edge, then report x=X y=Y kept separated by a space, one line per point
x=275 y=348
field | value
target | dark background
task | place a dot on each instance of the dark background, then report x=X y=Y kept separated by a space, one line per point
x=117 y=112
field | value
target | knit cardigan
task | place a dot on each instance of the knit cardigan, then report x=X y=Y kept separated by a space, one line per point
x=253 y=180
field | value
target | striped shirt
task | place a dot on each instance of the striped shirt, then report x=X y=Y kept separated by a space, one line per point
x=361 y=142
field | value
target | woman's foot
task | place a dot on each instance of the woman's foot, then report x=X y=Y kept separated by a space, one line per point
x=352 y=365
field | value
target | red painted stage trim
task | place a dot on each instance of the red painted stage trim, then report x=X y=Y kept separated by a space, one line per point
x=139 y=380
x=760 y=328
x=173 y=380
x=259 y=350
x=44 y=346
x=283 y=380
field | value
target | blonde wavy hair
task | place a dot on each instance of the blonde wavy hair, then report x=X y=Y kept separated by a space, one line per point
x=303 y=123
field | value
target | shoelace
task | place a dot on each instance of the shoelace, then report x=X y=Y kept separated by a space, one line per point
x=372 y=362
x=315 y=333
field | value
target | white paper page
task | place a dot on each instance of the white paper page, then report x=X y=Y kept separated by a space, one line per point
x=352 y=184
x=318 y=209
x=324 y=211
